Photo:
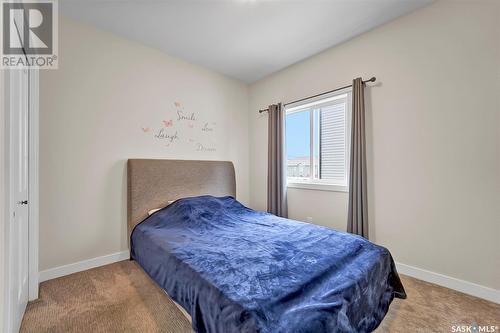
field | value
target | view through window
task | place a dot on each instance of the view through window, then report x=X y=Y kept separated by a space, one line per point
x=317 y=140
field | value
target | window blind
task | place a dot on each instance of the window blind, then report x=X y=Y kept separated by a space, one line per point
x=333 y=145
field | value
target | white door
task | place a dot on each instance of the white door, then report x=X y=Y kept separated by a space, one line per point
x=18 y=228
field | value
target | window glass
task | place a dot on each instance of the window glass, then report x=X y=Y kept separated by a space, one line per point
x=298 y=144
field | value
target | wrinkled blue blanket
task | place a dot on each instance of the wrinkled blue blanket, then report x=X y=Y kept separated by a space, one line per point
x=238 y=270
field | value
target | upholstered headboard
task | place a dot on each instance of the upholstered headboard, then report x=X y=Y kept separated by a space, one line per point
x=152 y=183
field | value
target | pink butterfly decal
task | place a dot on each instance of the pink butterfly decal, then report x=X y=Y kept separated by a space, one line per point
x=177 y=104
x=168 y=123
x=146 y=129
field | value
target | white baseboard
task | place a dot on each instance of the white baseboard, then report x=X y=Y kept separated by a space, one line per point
x=490 y=294
x=466 y=287
x=56 y=272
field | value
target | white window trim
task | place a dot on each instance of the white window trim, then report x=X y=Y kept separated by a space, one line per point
x=315 y=184
x=318 y=186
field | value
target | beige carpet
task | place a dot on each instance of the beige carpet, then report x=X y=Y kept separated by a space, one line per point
x=113 y=298
x=121 y=298
x=430 y=308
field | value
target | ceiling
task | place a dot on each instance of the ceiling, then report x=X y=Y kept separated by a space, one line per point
x=244 y=39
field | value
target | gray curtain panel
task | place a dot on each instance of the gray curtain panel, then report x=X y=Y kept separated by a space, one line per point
x=276 y=172
x=357 y=217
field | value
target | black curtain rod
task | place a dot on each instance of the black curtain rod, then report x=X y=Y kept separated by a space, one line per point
x=372 y=79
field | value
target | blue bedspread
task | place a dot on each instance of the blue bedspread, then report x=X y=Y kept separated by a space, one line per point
x=238 y=270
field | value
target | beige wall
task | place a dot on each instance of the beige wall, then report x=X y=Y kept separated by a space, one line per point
x=433 y=136
x=92 y=112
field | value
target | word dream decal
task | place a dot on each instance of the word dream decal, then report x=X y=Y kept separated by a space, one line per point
x=184 y=127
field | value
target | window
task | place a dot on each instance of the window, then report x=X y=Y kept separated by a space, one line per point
x=317 y=142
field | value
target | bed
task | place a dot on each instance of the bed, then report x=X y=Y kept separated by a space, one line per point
x=233 y=269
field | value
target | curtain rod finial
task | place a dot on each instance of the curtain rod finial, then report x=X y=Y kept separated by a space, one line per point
x=372 y=79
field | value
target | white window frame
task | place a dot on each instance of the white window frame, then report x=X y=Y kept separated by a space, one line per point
x=318 y=184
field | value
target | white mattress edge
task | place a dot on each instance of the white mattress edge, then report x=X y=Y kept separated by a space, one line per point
x=184 y=312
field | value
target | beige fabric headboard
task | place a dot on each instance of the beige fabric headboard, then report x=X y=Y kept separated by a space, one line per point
x=151 y=183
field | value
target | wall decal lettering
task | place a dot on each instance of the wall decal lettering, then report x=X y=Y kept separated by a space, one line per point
x=207 y=128
x=171 y=132
x=162 y=134
x=201 y=147
x=182 y=116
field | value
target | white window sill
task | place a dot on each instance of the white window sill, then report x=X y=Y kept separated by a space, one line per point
x=318 y=187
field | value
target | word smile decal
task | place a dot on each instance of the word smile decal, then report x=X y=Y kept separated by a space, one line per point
x=182 y=116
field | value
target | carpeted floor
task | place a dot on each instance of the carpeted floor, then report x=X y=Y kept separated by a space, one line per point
x=121 y=298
